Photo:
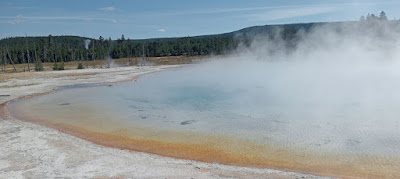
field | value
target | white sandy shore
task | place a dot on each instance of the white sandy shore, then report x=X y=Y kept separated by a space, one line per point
x=33 y=151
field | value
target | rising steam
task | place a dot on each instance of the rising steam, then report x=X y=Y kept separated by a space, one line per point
x=341 y=77
x=87 y=42
x=333 y=89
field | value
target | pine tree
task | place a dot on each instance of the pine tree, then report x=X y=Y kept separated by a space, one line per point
x=382 y=16
x=362 y=19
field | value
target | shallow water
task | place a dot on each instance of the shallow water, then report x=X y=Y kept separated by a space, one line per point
x=355 y=121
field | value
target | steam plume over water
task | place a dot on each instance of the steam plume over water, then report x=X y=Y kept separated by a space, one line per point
x=331 y=91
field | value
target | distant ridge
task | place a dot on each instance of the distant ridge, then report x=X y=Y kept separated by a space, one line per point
x=247 y=30
x=72 y=48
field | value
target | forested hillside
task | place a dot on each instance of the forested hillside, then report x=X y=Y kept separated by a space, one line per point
x=73 y=48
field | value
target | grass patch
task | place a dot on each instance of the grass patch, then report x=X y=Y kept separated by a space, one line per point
x=19 y=85
x=49 y=66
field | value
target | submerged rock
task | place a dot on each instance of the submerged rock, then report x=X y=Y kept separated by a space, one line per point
x=188 y=122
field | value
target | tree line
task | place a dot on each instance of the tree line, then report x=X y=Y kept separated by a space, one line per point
x=60 y=49
x=73 y=48
x=373 y=17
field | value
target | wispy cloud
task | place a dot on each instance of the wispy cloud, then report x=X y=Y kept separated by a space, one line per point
x=18 y=19
x=109 y=8
x=161 y=30
x=247 y=9
x=286 y=13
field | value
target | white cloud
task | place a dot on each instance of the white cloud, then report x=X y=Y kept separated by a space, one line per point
x=110 y=8
x=17 y=20
x=248 y=9
x=161 y=30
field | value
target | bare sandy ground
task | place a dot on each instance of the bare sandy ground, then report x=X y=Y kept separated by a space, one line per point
x=33 y=151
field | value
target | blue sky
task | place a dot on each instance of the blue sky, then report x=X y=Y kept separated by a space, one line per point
x=171 y=18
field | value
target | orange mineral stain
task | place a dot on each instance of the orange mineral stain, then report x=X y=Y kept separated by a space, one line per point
x=230 y=151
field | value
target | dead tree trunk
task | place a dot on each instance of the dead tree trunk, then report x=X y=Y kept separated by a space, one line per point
x=73 y=55
x=27 y=53
x=87 y=58
x=130 y=55
x=94 y=59
x=2 y=59
x=80 y=59
x=12 y=62
x=55 y=57
x=36 y=60
x=4 y=62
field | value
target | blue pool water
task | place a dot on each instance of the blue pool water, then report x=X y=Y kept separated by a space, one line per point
x=288 y=107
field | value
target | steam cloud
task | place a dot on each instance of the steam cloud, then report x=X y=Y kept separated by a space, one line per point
x=342 y=77
x=334 y=88
x=87 y=42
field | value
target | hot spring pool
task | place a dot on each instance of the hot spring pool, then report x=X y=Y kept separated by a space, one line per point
x=290 y=118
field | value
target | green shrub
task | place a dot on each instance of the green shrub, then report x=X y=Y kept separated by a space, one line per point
x=61 y=67
x=39 y=66
x=80 y=66
x=55 y=66
x=58 y=67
